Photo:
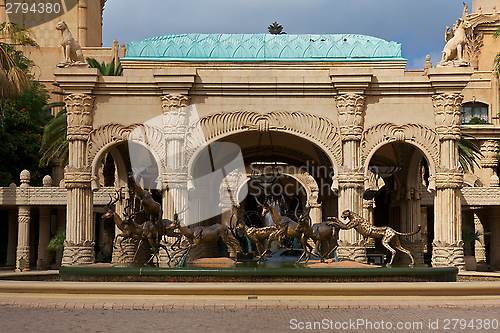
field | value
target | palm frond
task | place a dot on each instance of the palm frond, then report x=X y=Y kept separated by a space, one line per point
x=468 y=153
x=54 y=143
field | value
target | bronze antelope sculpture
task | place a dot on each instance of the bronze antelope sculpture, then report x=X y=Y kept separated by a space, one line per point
x=149 y=231
x=149 y=205
x=318 y=232
x=387 y=234
x=286 y=227
x=204 y=234
x=254 y=234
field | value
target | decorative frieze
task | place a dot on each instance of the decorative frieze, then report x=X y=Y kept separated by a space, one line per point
x=79 y=110
x=351 y=108
x=447 y=110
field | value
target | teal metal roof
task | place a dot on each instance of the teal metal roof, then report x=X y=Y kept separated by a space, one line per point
x=263 y=47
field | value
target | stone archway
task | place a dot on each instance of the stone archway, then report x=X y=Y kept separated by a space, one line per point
x=313 y=128
x=420 y=136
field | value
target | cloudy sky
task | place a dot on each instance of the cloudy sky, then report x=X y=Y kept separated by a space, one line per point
x=417 y=25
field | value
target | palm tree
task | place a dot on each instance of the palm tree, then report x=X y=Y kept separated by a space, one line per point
x=468 y=153
x=13 y=78
x=276 y=29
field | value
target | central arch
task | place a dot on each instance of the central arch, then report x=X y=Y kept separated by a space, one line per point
x=315 y=129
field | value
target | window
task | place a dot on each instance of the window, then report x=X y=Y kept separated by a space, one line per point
x=477 y=112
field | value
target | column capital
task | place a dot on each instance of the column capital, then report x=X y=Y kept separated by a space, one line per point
x=79 y=109
x=489 y=149
x=447 y=109
x=171 y=102
x=351 y=108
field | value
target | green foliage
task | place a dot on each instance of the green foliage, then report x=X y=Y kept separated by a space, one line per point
x=276 y=29
x=470 y=236
x=106 y=69
x=14 y=77
x=477 y=121
x=468 y=153
x=57 y=242
x=54 y=143
x=21 y=127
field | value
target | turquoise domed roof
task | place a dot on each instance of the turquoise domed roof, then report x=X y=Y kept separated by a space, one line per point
x=263 y=47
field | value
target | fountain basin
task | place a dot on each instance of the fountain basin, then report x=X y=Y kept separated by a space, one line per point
x=255 y=272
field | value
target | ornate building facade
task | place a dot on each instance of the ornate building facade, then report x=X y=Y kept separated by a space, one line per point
x=339 y=114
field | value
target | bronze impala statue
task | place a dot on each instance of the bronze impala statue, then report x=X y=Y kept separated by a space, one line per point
x=149 y=205
x=387 y=234
x=152 y=232
x=254 y=234
x=204 y=234
x=318 y=232
x=286 y=227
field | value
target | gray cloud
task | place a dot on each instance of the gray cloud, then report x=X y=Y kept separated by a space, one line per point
x=418 y=25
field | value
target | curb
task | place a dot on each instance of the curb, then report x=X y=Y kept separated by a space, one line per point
x=271 y=289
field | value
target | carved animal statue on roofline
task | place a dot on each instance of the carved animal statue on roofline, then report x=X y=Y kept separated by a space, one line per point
x=72 y=51
x=454 y=50
x=365 y=228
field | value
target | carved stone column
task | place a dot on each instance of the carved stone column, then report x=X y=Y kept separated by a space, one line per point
x=410 y=220
x=23 y=224
x=79 y=243
x=43 y=261
x=11 y=245
x=447 y=243
x=494 y=216
x=61 y=225
x=351 y=109
x=424 y=232
x=489 y=161
x=175 y=176
x=23 y=247
x=479 y=245
x=368 y=214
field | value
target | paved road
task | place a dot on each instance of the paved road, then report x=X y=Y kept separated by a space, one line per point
x=27 y=314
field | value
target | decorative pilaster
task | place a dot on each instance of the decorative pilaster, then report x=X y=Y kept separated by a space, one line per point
x=489 y=161
x=351 y=109
x=11 y=245
x=79 y=243
x=479 y=248
x=447 y=244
